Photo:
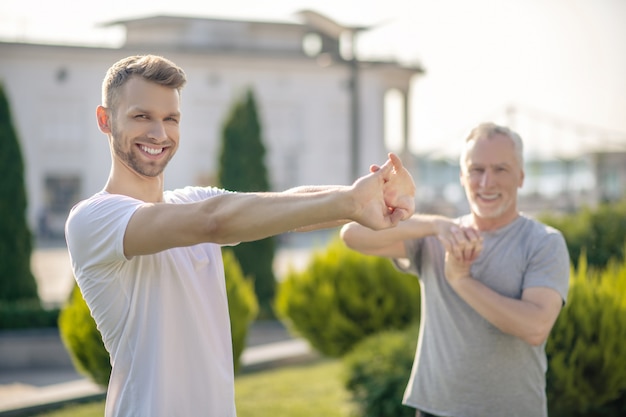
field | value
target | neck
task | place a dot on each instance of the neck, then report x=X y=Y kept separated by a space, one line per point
x=489 y=225
x=148 y=189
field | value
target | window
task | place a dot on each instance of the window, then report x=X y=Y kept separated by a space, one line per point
x=61 y=193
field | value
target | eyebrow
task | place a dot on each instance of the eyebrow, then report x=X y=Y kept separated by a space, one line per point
x=142 y=110
x=482 y=164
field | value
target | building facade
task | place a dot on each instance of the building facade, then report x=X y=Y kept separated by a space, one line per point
x=322 y=113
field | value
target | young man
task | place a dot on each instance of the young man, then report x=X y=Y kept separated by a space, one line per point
x=493 y=283
x=148 y=261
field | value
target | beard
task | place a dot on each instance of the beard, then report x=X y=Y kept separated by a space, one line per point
x=132 y=157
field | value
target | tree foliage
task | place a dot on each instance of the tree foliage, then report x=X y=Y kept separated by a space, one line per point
x=17 y=282
x=242 y=168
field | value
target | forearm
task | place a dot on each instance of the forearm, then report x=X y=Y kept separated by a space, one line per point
x=529 y=319
x=390 y=242
x=316 y=189
x=251 y=216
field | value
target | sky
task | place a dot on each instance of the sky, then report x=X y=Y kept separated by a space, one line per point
x=560 y=63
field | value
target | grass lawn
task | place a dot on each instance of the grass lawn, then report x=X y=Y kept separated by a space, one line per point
x=305 y=390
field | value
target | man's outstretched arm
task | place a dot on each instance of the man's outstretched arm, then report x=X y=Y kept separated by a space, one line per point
x=239 y=217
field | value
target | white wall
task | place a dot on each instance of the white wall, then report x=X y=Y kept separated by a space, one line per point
x=304 y=110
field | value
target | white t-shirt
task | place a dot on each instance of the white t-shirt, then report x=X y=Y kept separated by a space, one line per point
x=163 y=317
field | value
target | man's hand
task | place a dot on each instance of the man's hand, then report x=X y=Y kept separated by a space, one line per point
x=463 y=245
x=398 y=190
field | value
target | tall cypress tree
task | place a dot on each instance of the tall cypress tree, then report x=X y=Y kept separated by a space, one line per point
x=242 y=168
x=16 y=279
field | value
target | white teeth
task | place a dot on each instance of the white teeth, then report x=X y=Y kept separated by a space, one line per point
x=151 y=151
x=489 y=197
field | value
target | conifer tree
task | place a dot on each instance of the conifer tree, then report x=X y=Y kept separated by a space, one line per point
x=242 y=168
x=17 y=282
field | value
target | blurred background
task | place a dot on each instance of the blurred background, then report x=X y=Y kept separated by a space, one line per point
x=338 y=85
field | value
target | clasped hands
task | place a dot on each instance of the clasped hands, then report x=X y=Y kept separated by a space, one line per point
x=463 y=245
x=398 y=194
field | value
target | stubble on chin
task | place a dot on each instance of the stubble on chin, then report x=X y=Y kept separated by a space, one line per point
x=132 y=160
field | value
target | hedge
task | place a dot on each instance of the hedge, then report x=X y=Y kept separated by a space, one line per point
x=343 y=296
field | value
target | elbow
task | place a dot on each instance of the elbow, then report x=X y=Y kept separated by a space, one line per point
x=210 y=230
x=214 y=229
x=535 y=340
x=347 y=234
x=538 y=335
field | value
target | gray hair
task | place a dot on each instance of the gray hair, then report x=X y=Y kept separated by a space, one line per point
x=488 y=130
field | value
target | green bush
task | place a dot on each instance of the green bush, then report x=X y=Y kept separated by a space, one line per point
x=600 y=233
x=377 y=371
x=26 y=314
x=242 y=303
x=587 y=347
x=343 y=297
x=84 y=342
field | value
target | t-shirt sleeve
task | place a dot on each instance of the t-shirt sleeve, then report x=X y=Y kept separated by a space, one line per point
x=95 y=230
x=549 y=265
x=410 y=264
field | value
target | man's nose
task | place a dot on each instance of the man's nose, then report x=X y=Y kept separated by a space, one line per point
x=485 y=179
x=157 y=131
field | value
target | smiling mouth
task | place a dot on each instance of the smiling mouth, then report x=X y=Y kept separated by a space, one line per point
x=488 y=197
x=151 y=151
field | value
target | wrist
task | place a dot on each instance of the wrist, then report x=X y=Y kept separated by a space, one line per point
x=441 y=224
x=348 y=203
x=460 y=281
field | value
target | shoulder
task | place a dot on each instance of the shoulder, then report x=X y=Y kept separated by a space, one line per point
x=192 y=194
x=95 y=228
x=544 y=239
x=100 y=205
x=101 y=211
x=540 y=230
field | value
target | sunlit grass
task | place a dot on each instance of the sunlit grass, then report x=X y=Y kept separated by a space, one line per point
x=95 y=409
x=305 y=390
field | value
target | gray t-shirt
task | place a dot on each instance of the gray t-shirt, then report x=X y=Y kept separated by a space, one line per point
x=464 y=366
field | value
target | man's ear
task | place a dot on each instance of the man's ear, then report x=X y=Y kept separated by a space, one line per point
x=104 y=121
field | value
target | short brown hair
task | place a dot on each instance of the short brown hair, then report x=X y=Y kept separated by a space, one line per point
x=149 y=67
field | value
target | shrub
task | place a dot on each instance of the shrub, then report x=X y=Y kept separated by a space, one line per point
x=242 y=303
x=84 y=342
x=26 y=314
x=377 y=371
x=343 y=297
x=586 y=349
x=598 y=233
